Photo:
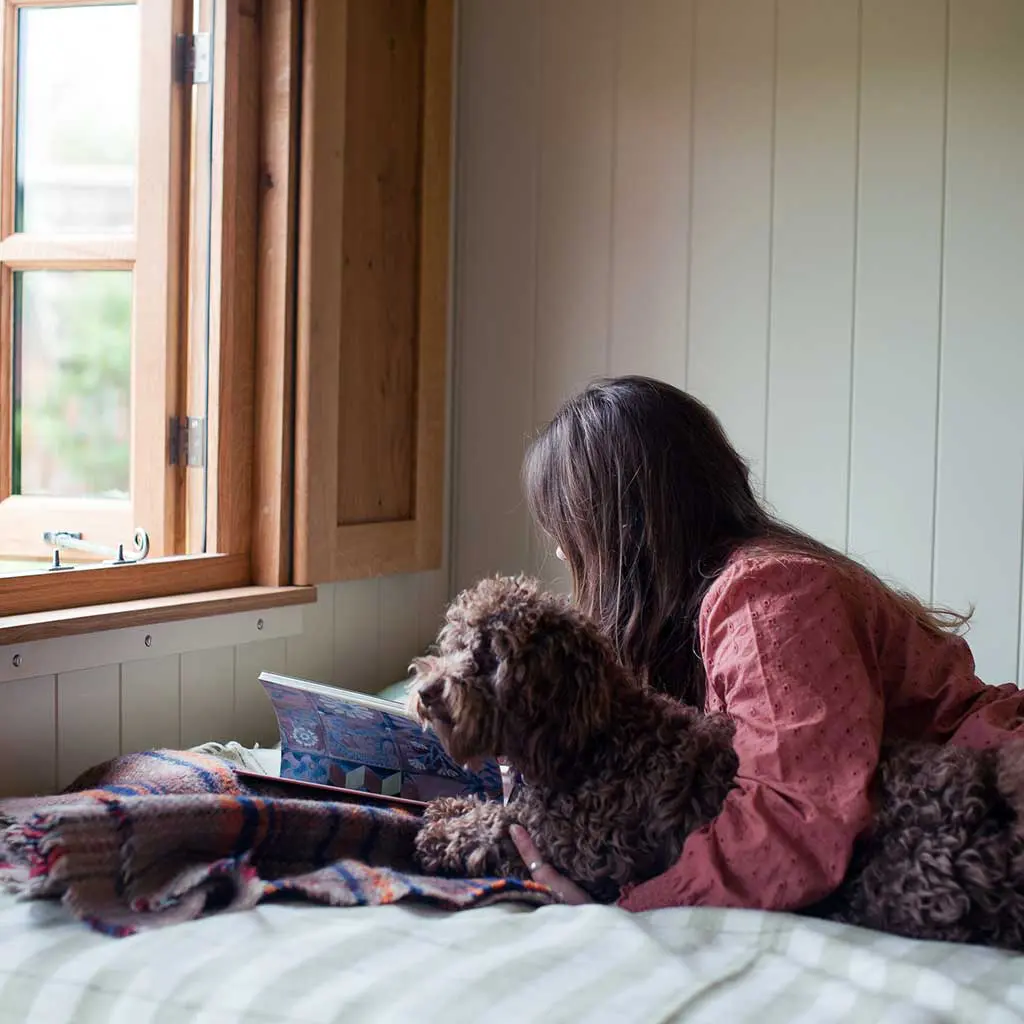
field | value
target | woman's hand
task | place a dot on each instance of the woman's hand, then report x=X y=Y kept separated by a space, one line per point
x=566 y=891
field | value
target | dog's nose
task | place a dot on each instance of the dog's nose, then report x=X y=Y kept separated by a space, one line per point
x=432 y=692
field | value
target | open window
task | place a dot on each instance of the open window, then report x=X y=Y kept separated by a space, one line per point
x=127 y=299
x=90 y=279
x=223 y=300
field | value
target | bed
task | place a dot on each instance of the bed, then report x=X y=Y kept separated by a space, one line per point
x=299 y=963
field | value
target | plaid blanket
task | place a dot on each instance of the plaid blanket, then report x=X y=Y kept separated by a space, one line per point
x=165 y=836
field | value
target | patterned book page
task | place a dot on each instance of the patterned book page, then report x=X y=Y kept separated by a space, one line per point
x=330 y=736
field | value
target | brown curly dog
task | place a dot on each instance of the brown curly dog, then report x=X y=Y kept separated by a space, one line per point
x=616 y=776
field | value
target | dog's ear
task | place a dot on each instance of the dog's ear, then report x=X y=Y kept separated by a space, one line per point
x=420 y=670
x=424 y=665
x=557 y=694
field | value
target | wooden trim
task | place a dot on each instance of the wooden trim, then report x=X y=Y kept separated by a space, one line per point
x=23 y=518
x=435 y=230
x=8 y=120
x=318 y=313
x=196 y=399
x=160 y=577
x=363 y=550
x=6 y=386
x=160 y=275
x=275 y=312
x=324 y=547
x=19 y=629
x=233 y=278
x=34 y=252
x=8 y=39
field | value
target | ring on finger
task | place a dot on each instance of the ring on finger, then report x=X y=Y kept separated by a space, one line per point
x=535 y=864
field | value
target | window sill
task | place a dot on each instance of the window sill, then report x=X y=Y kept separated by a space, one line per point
x=19 y=629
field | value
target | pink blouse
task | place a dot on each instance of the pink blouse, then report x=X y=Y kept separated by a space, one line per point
x=814 y=671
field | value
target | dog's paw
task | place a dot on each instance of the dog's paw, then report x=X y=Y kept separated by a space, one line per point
x=444 y=808
x=448 y=846
x=467 y=838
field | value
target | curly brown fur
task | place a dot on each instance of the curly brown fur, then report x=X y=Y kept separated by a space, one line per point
x=944 y=856
x=616 y=776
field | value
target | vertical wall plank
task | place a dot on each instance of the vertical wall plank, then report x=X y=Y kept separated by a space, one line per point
x=981 y=414
x=575 y=188
x=731 y=219
x=28 y=752
x=499 y=106
x=578 y=60
x=311 y=654
x=398 y=606
x=812 y=265
x=651 y=199
x=207 y=697
x=433 y=603
x=357 y=634
x=88 y=720
x=151 y=704
x=892 y=442
x=899 y=239
x=255 y=721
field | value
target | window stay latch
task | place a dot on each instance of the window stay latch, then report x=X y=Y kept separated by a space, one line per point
x=71 y=540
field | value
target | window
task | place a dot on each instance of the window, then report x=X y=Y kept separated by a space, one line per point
x=78 y=265
x=108 y=261
x=166 y=260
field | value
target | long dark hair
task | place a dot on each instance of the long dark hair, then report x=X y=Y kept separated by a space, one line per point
x=638 y=484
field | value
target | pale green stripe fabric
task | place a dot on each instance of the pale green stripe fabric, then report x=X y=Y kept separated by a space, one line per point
x=302 y=964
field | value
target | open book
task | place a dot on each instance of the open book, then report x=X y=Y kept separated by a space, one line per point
x=335 y=737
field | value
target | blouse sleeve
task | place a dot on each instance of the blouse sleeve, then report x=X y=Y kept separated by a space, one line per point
x=782 y=659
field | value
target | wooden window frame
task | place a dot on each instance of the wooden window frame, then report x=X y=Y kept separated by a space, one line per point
x=151 y=254
x=278 y=333
x=249 y=453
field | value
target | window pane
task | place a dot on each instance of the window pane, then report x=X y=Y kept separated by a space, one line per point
x=77 y=119
x=72 y=366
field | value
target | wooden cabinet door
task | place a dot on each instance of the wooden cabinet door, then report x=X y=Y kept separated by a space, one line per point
x=372 y=303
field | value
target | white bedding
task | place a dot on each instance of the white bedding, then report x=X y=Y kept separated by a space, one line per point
x=285 y=964
x=300 y=963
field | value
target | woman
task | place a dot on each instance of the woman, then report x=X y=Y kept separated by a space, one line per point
x=708 y=597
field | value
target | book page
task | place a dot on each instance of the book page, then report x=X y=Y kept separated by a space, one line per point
x=329 y=738
x=336 y=693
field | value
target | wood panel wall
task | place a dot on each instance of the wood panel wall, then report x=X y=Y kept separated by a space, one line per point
x=636 y=184
x=361 y=635
x=807 y=212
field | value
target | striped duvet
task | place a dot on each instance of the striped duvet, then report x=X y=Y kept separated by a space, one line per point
x=301 y=963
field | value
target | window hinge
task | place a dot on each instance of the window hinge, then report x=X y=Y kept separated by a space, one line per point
x=192 y=58
x=187 y=441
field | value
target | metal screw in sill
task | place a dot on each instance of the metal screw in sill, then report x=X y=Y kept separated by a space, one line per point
x=57 y=565
x=16 y=661
x=259 y=623
x=148 y=641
